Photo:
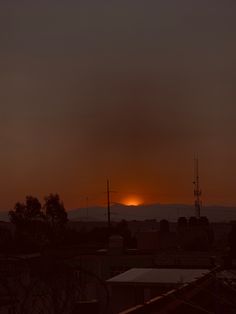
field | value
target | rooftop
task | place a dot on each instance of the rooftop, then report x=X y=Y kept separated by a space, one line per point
x=159 y=276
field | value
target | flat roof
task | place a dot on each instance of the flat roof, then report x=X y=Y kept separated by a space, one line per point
x=158 y=276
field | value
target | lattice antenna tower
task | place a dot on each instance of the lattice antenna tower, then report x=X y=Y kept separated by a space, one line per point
x=197 y=190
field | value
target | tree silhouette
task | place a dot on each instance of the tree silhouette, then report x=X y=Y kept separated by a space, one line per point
x=29 y=221
x=33 y=208
x=26 y=212
x=55 y=211
x=17 y=215
x=37 y=226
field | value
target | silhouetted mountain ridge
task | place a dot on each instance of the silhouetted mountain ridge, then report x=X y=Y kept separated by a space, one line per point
x=152 y=211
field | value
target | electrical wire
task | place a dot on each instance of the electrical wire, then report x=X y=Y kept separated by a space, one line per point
x=193 y=305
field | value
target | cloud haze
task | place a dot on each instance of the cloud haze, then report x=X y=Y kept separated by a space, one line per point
x=129 y=90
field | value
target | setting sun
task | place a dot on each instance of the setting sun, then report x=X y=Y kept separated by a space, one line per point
x=132 y=201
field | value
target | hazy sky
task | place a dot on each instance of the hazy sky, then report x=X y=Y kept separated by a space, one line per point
x=123 y=89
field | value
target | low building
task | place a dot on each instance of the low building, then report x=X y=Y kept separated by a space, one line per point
x=139 y=285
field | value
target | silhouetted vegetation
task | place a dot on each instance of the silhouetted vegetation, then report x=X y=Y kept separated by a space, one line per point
x=38 y=225
x=44 y=226
x=55 y=211
x=26 y=212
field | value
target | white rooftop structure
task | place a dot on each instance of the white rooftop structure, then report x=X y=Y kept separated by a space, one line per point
x=158 y=276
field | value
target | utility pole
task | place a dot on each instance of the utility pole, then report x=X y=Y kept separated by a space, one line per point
x=87 y=208
x=108 y=206
x=197 y=190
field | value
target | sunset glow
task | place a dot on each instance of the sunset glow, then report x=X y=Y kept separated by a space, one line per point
x=132 y=201
x=88 y=94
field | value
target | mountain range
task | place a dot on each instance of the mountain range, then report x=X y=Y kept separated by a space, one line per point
x=215 y=213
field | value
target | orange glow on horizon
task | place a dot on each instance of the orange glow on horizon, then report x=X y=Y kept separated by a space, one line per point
x=132 y=201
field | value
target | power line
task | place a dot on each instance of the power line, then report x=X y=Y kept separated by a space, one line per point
x=193 y=305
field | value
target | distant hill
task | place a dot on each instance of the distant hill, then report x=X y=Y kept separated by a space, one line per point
x=155 y=211
x=215 y=213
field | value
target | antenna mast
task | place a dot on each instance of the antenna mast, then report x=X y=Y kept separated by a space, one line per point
x=197 y=190
x=108 y=206
x=87 y=208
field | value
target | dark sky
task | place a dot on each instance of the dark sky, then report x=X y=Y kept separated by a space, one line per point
x=128 y=90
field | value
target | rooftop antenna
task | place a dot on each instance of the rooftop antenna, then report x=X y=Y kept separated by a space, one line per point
x=197 y=190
